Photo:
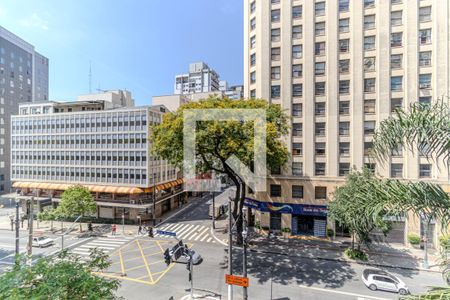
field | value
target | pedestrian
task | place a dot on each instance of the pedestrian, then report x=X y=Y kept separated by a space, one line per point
x=90 y=226
x=139 y=230
x=150 y=231
x=113 y=229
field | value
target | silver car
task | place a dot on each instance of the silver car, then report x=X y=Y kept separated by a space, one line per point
x=376 y=279
x=42 y=241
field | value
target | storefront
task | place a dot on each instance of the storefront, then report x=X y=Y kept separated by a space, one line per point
x=301 y=219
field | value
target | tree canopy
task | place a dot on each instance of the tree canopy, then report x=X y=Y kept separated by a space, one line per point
x=76 y=201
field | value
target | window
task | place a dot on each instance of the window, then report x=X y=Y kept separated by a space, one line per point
x=253 y=42
x=275 y=91
x=297 y=12
x=396 y=18
x=275 y=15
x=297 y=32
x=297 y=51
x=252 y=77
x=297 y=168
x=396 y=1
x=369 y=106
x=276 y=73
x=344 y=149
x=344 y=169
x=396 y=83
x=320 y=192
x=297 y=149
x=398 y=151
x=319 y=28
x=344 y=65
x=319 y=9
x=275 y=53
x=253 y=24
x=369 y=22
x=297 y=90
x=344 y=107
x=319 y=68
x=425 y=100
x=297 y=109
x=275 y=190
x=275 y=37
x=344 y=128
x=274 y=1
x=319 y=48
x=425 y=170
x=371 y=167
x=297 y=191
x=367 y=148
x=369 y=64
x=396 y=39
x=297 y=71
x=369 y=42
x=320 y=129
x=369 y=127
x=253 y=94
x=396 y=61
x=319 y=109
x=253 y=59
x=344 y=86
x=396 y=170
x=344 y=46
x=425 y=59
x=369 y=3
x=369 y=85
x=319 y=88
x=297 y=129
x=343 y=5
x=396 y=103
x=319 y=170
x=425 y=81
x=320 y=149
x=344 y=25
x=252 y=7
x=425 y=36
x=425 y=14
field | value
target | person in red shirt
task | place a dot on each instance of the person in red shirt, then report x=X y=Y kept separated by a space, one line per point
x=113 y=228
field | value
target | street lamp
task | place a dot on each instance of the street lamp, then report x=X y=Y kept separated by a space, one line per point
x=214 y=210
x=123 y=223
x=244 y=237
x=17 y=229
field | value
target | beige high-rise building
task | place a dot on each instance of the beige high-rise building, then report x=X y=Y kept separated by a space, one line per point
x=339 y=67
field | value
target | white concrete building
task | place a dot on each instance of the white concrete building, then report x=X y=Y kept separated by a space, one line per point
x=200 y=79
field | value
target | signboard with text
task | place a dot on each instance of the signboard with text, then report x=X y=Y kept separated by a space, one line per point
x=236 y=280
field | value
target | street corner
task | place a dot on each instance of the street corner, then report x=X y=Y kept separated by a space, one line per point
x=140 y=261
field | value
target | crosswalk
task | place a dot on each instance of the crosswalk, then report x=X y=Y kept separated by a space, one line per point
x=188 y=232
x=106 y=244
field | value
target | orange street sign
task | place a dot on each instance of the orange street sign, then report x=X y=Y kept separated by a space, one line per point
x=236 y=280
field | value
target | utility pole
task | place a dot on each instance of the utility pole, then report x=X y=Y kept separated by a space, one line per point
x=17 y=229
x=191 y=274
x=230 y=250
x=244 y=260
x=30 y=230
x=214 y=210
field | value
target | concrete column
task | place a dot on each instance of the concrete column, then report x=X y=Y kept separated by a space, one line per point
x=286 y=221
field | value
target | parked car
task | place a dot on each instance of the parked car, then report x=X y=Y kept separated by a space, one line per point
x=196 y=258
x=42 y=241
x=376 y=279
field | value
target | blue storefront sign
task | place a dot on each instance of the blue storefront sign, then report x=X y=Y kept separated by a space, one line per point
x=287 y=208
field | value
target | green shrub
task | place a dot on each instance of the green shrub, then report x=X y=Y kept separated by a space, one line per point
x=257 y=225
x=444 y=241
x=330 y=232
x=286 y=229
x=414 y=239
x=355 y=254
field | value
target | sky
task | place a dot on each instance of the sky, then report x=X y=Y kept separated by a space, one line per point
x=139 y=45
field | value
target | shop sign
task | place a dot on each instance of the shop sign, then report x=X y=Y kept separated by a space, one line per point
x=287 y=208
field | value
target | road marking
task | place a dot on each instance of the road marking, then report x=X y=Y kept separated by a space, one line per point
x=162 y=250
x=94 y=246
x=145 y=261
x=7 y=246
x=203 y=238
x=340 y=292
x=192 y=231
x=121 y=262
x=184 y=229
x=164 y=273
x=200 y=234
x=208 y=240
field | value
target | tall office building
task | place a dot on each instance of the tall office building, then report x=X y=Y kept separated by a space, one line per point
x=339 y=68
x=23 y=78
x=200 y=79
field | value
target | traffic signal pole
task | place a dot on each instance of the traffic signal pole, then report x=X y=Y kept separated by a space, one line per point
x=230 y=250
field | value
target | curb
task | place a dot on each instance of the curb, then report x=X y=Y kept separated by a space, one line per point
x=216 y=238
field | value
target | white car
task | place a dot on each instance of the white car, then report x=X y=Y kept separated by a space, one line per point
x=376 y=279
x=42 y=241
x=196 y=258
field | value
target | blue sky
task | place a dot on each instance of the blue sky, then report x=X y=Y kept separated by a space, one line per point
x=139 y=45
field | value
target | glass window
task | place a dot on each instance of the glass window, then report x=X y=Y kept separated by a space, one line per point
x=425 y=14
x=320 y=129
x=297 y=32
x=369 y=106
x=297 y=129
x=344 y=128
x=396 y=39
x=297 y=51
x=297 y=71
x=396 y=61
x=369 y=3
x=319 y=88
x=276 y=73
x=369 y=21
x=369 y=42
x=344 y=149
x=344 y=107
x=297 y=191
x=319 y=170
x=275 y=190
x=425 y=59
x=344 y=169
x=344 y=65
x=319 y=9
x=396 y=83
x=297 y=168
x=425 y=81
x=319 y=48
x=344 y=46
x=344 y=25
x=396 y=1
x=425 y=100
x=253 y=42
x=252 y=77
x=253 y=24
x=369 y=64
x=320 y=149
x=275 y=53
x=274 y=1
x=275 y=15
x=396 y=18
x=297 y=12
x=275 y=37
x=319 y=109
x=252 y=7
x=343 y=5
x=297 y=90
x=253 y=94
x=253 y=59
x=425 y=36
x=369 y=127
x=396 y=170
x=319 y=28
x=367 y=148
x=319 y=68
x=425 y=170
x=275 y=91
x=344 y=86
x=396 y=103
x=297 y=149
x=369 y=85
x=297 y=109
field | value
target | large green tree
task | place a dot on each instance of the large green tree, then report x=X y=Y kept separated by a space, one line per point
x=76 y=201
x=61 y=277
x=216 y=141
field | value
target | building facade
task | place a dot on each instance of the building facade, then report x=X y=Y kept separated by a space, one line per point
x=200 y=79
x=338 y=68
x=56 y=145
x=23 y=78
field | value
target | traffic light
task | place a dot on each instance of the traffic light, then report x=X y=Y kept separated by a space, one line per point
x=167 y=258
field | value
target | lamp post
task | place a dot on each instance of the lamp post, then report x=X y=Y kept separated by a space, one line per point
x=244 y=236
x=17 y=229
x=214 y=210
x=11 y=217
x=123 y=222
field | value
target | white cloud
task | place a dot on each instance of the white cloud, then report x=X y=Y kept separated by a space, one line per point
x=34 y=21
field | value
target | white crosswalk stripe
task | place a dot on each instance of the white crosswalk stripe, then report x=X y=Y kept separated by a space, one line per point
x=106 y=244
x=188 y=232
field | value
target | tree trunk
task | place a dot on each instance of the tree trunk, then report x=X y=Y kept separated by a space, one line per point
x=236 y=207
x=81 y=229
x=240 y=220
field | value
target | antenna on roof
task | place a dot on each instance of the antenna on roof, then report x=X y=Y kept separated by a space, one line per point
x=90 y=78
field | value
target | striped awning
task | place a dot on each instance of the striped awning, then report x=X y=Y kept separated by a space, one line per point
x=92 y=188
x=164 y=186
